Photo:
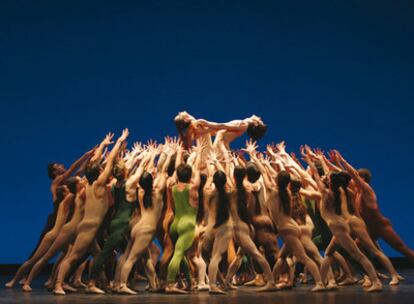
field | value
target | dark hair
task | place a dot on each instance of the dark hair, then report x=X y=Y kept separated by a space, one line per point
x=171 y=166
x=252 y=172
x=295 y=185
x=92 y=171
x=181 y=125
x=200 y=210
x=365 y=174
x=222 y=211
x=336 y=182
x=51 y=170
x=319 y=167
x=345 y=180
x=256 y=131
x=283 y=180
x=239 y=175
x=184 y=173
x=72 y=183
x=146 y=182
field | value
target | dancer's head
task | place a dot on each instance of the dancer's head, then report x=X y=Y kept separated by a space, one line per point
x=55 y=169
x=256 y=130
x=73 y=184
x=295 y=184
x=252 y=172
x=282 y=181
x=319 y=167
x=335 y=180
x=345 y=178
x=119 y=170
x=239 y=174
x=182 y=121
x=365 y=174
x=184 y=173
x=146 y=183
x=92 y=171
x=219 y=179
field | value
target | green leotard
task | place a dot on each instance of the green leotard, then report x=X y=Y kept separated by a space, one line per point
x=321 y=235
x=118 y=229
x=183 y=227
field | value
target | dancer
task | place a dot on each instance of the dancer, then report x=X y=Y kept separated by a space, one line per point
x=279 y=203
x=185 y=198
x=68 y=232
x=367 y=204
x=243 y=230
x=151 y=195
x=331 y=205
x=97 y=204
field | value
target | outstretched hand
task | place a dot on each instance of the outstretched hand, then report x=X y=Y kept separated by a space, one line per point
x=251 y=147
x=125 y=133
x=108 y=139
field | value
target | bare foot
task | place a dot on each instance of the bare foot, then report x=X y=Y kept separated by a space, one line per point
x=202 y=287
x=215 y=290
x=268 y=287
x=67 y=287
x=394 y=281
x=9 y=284
x=59 y=290
x=230 y=286
x=27 y=288
x=174 y=290
x=375 y=287
x=348 y=281
x=22 y=281
x=382 y=276
x=94 y=289
x=79 y=284
x=123 y=288
x=367 y=282
x=401 y=278
x=332 y=285
x=318 y=287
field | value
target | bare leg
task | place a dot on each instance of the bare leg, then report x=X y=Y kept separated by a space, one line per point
x=221 y=242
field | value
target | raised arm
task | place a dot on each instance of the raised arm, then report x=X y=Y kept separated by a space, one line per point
x=58 y=180
x=251 y=150
x=162 y=176
x=359 y=181
x=106 y=142
x=132 y=181
x=106 y=173
x=320 y=184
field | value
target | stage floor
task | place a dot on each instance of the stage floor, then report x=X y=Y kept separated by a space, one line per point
x=403 y=293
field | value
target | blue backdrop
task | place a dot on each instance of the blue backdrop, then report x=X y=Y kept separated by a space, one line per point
x=334 y=74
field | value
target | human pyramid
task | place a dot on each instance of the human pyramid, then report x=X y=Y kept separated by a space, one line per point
x=172 y=211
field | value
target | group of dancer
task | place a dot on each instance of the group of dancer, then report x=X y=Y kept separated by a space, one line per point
x=193 y=214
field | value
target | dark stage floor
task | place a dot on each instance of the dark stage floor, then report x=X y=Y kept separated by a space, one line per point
x=403 y=293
